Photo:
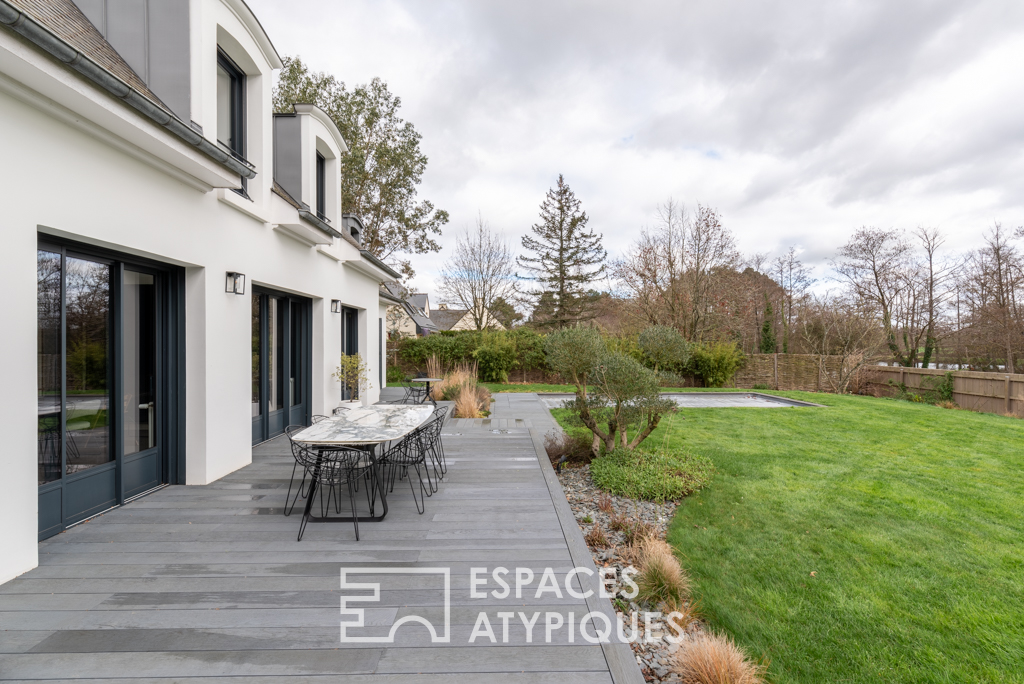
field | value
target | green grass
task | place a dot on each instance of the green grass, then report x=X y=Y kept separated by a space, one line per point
x=909 y=515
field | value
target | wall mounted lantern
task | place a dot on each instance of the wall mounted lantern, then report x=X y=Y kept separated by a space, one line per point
x=335 y=306
x=235 y=283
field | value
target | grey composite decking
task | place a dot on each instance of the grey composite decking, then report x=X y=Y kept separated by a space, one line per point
x=196 y=583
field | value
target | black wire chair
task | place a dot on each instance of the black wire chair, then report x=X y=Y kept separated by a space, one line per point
x=289 y=431
x=414 y=394
x=434 y=446
x=329 y=469
x=404 y=454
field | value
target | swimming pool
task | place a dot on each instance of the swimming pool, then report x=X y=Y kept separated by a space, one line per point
x=708 y=400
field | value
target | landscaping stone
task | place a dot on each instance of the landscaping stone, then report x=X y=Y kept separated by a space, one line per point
x=655 y=658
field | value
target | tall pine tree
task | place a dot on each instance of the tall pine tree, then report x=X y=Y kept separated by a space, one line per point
x=563 y=257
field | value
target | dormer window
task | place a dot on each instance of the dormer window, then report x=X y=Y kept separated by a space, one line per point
x=321 y=187
x=231 y=107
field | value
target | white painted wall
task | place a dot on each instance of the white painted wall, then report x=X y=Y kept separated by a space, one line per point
x=63 y=178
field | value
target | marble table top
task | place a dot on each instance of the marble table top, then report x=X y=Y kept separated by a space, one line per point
x=366 y=425
x=426 y=380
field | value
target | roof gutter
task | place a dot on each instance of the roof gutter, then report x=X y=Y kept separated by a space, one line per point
x=318 y=222
x=378 y=263
x=390 y=297
x=37 y=34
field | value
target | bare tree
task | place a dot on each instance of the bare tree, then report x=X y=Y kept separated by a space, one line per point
x=672 y=271
x=938 y=280
x=480 y=272
x=842 y=329
x=991 y=288
x=795 y=279
x=881 y=271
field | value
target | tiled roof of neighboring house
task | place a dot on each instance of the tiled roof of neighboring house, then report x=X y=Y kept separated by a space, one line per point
x=415 y=312
x=446 y=318
x=423 y=322
x=67 y=22
x=419 y=300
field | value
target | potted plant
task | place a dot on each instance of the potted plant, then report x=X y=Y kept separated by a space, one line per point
x=353 y=375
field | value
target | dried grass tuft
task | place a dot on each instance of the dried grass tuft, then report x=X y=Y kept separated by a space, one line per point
x=714 y=659
x=467 y=404
x=596 y=538
x=604 y=503
x=661 y=578
x=462 y=374
x=434 y=367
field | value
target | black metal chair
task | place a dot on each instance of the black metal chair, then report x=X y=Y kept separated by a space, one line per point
x=414 y=394
x=289 y=431
x=434 y=444
x=402 y=455
x=329 y=468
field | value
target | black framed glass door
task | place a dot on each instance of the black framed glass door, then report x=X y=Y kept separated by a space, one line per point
x=349 y=342
x=281 y=368
x=102 y=373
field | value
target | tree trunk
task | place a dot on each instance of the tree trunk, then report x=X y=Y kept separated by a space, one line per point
x=641 y=436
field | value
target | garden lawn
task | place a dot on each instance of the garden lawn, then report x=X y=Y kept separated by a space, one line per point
x=870 y=541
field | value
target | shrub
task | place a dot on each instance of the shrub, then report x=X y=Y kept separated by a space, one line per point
x=760 y=386
x=627 y=345
x=655 y=476
x=353 y=373
x=575 y=448
x=496 y=359
x=395 y=375
x=716 y=363
x=661 y=578
x=664 y=348
x=528 y=348
x=713 y=659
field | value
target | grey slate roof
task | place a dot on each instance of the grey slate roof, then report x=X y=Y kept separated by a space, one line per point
x=67 y=22
x=414 y=312
x=419 y=300
x=444 y=319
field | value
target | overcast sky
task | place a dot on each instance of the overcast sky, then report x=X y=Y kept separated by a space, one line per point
x=799 y=120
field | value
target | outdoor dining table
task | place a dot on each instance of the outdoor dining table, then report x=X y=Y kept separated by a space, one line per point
x=361 y=428
x=427 y=381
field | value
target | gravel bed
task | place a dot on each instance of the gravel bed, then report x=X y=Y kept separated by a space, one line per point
x=655 y=658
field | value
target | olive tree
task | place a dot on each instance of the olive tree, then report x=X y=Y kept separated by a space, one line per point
x=625 y=393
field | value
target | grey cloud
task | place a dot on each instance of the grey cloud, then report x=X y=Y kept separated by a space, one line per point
x=782 y=114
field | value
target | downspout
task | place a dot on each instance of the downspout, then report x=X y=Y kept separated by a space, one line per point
x=37 y=34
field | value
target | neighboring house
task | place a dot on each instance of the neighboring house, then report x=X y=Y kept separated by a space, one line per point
x=180 y=277
x=409 y=314
x=462 y=319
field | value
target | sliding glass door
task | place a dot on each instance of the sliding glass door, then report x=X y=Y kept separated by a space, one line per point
x=280 y=363
x=100 y=363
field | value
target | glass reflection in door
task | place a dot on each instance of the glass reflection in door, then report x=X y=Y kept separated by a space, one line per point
x=87 y=335
x=48 y=364
x=140 y=362
x=257 y=405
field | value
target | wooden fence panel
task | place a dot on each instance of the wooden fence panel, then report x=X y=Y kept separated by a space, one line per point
x=1001 y=393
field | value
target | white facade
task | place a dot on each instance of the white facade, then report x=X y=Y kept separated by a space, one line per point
x=79 y=165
